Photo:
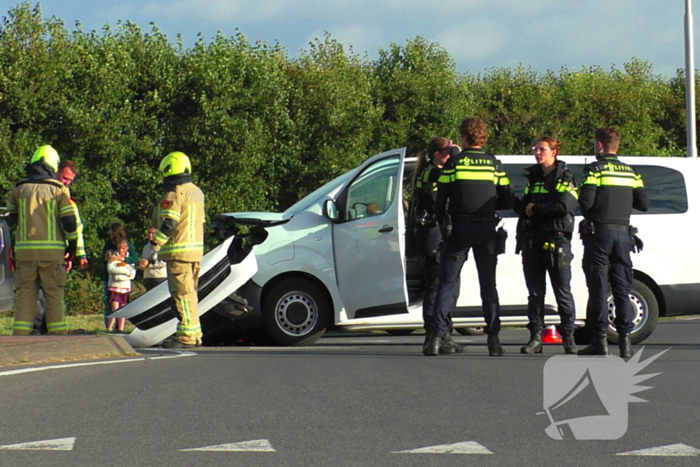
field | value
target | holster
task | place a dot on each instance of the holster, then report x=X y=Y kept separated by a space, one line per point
x=585 y=227
x=554 y=255
x=498 y=244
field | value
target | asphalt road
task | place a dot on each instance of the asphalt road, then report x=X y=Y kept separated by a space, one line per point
x=359 y=400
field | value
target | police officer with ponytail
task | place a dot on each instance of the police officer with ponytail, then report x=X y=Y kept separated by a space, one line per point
x=609 y=190
x=428 y=238
x=544 y=232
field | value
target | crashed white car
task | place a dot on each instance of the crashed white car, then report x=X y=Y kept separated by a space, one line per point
x=339 y=258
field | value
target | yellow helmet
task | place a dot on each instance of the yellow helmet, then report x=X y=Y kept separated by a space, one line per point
x=175 y=163
x=48 y=155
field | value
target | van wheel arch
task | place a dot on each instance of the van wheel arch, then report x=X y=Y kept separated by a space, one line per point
x=296 y=310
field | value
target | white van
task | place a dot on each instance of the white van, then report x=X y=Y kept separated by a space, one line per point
x=340 y=261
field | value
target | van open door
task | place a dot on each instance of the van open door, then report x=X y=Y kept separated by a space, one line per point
x=368 y=239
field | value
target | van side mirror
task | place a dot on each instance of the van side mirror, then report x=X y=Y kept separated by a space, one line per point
x=330 y=211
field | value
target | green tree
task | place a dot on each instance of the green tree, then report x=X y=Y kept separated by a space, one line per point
x=418 y=88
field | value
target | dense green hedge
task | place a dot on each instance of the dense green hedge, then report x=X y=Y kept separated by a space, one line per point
x=263 y=129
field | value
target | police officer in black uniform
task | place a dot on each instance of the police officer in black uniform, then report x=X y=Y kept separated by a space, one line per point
x=544 y=231
x=475 y=185
x=428 y=238
x=609 y=190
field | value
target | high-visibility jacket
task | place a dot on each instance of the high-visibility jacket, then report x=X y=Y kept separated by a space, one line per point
x=181 y=223
x=80 y=251
x=554 y=197
x=46 y=219
x=609 y=190
x=476 y=185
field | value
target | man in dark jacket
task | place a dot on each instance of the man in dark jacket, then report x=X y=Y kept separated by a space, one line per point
x=609 y=190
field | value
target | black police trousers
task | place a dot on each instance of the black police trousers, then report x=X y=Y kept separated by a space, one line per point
x=537 y=264
x=480 y=238
x=428 y=243
x=606 y=260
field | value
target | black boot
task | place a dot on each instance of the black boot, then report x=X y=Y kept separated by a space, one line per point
x=426 y=341
x=625 y=344
x=433 y=347
x=449 y=346
x=598 y=346
x=494 y=345
x=569 y=341
x=535 y=343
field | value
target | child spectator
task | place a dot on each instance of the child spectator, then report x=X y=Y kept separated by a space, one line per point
x=119 y=284
x=154 y=272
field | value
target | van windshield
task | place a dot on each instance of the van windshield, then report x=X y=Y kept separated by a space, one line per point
x=325 y=190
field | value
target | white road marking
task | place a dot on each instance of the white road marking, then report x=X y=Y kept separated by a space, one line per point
x=73 y=365
x=677 y=450
x=256 y=445
x=465 y=447
x=358 y=341
x=62 y=444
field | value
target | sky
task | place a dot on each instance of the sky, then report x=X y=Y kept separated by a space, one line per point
x=478 y=34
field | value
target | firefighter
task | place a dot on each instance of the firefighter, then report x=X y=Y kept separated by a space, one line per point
x=475 y=185
x=609 y=190
x=66 y=174
x=544 y=232
x=179 y=241
x=46 y=219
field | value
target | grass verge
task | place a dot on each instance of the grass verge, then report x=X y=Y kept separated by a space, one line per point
x=86 y=324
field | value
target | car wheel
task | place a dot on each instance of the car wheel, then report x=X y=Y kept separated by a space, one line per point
x=472 y=331
x=296 y=312
x=646 y=313
x=399 y=332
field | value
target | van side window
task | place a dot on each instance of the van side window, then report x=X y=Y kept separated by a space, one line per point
x=666 y=189
x=373 y=190
x=665 y=186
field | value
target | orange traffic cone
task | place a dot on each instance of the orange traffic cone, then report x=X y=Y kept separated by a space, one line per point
x=551 y=336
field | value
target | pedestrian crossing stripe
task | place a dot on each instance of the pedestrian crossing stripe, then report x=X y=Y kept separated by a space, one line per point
x=465 y=447
x=62 y=444
x=257 y=445
x=678 y=450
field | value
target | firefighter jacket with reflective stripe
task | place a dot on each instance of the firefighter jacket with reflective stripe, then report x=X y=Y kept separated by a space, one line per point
x=181 y=219
x=554 y=196
x=80 y=251
x=46 y=219
x=476 y=185
x=609 y=190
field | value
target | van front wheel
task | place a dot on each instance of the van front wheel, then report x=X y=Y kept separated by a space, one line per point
x=645 y=308
x=296 y=312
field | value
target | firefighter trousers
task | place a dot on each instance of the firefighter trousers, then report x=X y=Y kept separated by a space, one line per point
x=29 y=277
x=183 y=278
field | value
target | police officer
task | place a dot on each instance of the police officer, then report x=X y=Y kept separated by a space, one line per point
x=475 y=185
x=428 y=238
x=40 y=207
x=544 y=231
x=179 y=241
x=609 y=190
